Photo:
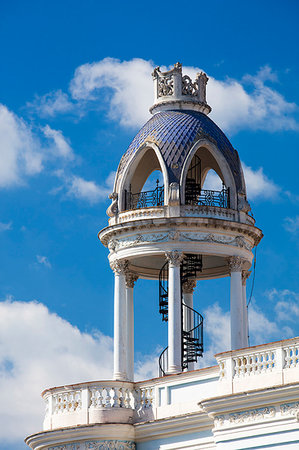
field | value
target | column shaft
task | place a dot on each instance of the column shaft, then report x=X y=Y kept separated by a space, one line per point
x=174 y=320
x=245 y=315
x=120 y=331
x=130 y=334
x=236 y=310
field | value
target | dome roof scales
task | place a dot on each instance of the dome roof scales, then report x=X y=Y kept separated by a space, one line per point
x=175 y=132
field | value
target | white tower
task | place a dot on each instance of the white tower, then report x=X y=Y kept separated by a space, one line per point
x=178 y=233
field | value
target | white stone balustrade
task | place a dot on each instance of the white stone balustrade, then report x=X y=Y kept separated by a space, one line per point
x=120 y=402
x=260 y=366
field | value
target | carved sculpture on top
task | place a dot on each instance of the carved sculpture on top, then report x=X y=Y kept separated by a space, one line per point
x=174 y=258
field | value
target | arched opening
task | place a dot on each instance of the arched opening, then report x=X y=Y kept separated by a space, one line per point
x=144 y=184
x=204 y=182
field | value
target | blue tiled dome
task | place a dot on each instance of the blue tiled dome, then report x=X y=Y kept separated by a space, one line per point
x=175 y=132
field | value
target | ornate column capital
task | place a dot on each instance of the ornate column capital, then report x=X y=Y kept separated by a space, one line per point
x=131 y=278
x=119 y=266
x=245 y=275
x=236 y=263
x=174 y=257
x=189 y=286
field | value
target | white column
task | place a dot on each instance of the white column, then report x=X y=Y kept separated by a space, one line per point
x=174 y=312
x=188 y=322
x=245 y=276
x=120 y=329
x=131 y=278
x=236 y=302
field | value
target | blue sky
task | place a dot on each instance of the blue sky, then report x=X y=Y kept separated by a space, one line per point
x=75 y=88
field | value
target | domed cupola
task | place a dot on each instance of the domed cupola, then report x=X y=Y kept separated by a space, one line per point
x=180 y=232
x=183 y=143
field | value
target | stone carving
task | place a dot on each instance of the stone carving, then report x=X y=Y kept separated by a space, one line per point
x=112 y=210
x=202 y=80
x=174 y=194
x=174 y=258
x=290 y=409
x=118 y=244
x=110 y=445
x=131 y=278
x=189 y=286
x=235 y=263
x=119 y=266
x=252 y=415
x=219 y=420
x=188 y=87
x=245 y=276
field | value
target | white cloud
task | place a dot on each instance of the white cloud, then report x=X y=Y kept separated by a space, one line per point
x=79 y=188
x=258 y=185
x=291 y=224
x=5 y=226
x=40 y=351
x=19 y=150
x=127 y=88
x=61 y=147
x=286 y=304
x=44 y=261
x=51 y=104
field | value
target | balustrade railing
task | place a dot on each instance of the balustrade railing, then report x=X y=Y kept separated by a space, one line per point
x=145 y=199
x=208 y=197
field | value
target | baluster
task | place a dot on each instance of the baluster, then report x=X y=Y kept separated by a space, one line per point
x=71 y=402
x=108 y=397
x=115 y=398
x=56 y=406
x=100 y=402
x=93 y=400
x=287 y=358
x=127 y=399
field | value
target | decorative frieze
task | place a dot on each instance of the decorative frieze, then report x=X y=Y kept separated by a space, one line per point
x=290 y=409
x=119 y=244
x=252 y=415
x=110 y=445
x=174 y=258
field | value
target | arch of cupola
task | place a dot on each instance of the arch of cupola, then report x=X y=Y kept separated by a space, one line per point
x=210 y=158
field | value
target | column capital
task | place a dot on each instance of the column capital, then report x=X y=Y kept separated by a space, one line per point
x=174 y=257
x=119 y=266
x=189 y=286
x=245 y=275
x=236 y=263
x=131 y=278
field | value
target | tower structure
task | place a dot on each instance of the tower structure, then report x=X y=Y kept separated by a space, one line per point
x=179 y=233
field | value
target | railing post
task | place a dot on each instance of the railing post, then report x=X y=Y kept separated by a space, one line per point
x=85 y=404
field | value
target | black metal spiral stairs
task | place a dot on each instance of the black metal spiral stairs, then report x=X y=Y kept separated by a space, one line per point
x=192 y=337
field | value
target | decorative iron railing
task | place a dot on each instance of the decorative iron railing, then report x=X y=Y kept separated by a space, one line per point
x=192 y=339
x=145 y=199
x=207 y=197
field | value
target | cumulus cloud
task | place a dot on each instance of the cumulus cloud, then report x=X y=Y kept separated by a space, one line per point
x=61 y=146
x=286 y=304
x=79 y=188
x=19 y=150
x=258 y=185
x=51 y=104
x=44 y=261
x=291 y=224
x=126 y=88
x=37 y=352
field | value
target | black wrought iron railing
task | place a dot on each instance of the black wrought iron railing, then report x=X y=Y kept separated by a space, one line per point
x=192 y=339
x=163 y=292
x=145 y=199
x=206 y=197
x=163 y=362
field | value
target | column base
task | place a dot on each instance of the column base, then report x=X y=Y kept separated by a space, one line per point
x=120 y=376
x=174 y=369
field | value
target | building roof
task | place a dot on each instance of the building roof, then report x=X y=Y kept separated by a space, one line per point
x=175 y=132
